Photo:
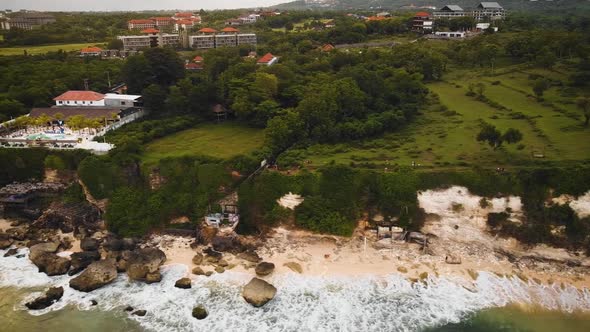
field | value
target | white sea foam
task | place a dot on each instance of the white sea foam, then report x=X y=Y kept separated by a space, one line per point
x=303 y=303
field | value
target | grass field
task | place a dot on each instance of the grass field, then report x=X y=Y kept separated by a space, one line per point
x=43 y=48
x=442 y=139
x=223 y=140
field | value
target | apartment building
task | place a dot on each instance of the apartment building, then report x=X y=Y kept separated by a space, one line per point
x=26 y=20
x=151 y=40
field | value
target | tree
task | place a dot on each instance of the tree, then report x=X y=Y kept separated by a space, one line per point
x=540 y=86
x=583 y=104
x=137 y=73
x=494 y=137
x=115 y=44
x=283 y=131
x=154 y=97
x=54 y=162
x=176 y=102
x=166 y=65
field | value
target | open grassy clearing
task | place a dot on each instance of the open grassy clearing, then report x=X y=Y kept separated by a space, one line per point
x=446 y=139
x=43 y=48
x=223 y=140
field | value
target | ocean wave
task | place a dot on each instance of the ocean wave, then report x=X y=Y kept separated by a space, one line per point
x=303 y=303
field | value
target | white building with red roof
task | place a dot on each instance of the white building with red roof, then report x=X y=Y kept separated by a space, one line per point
x=163 y=21
x=80 y=98
x=90 y=51
x=267 y=60
x=141 y=24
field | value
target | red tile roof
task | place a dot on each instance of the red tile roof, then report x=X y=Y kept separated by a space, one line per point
x=230 y=29
x=186 y=22
x=163 y=18
x=328 y=48
x=198 y=58
x=141 y=21
x=150 y=30
x=266 y=58
x=208 y=30
x=422 y=14
x=80 y=95
x=376 y=18
x=90 y=50
x=184 y=14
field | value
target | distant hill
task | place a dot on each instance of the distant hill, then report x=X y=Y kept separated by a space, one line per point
x=516 y=5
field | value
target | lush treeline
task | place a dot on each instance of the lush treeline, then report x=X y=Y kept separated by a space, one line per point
x=21 y=165
x=33 y=81
x=337 y=195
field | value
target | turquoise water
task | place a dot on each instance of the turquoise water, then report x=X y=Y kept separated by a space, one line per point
x=46 y=136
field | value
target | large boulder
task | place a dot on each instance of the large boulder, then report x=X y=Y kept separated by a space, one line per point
x=44 y=257
x=198 y=259
x=144 y=264
x=81 y=260
x=452 y=259
x=264 y=268
x=206 y=234
x=89 y=244
x=95 y=276
x=258 y=292
x=199 y=312
x=5 y=241
x=226 y=243
x=52 y=295
x=184 y=283
x=212 y=256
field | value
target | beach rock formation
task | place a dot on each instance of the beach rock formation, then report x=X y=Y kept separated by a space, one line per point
x=206 y=234
x=250 y=256
x=212 y=256
x=226 y=243
x=89 y=244
x=44 y=257
x=294 y=266
x=81 y=260
x=198 y=271
x=264 y=268
x=184 y=283
x=11 y=252
x=52 y=295
x=198 y=259
x=144 y=264
x=199 y=312
x=5 y=241
x=95 y=276
x=258 y=292
x=139 y=313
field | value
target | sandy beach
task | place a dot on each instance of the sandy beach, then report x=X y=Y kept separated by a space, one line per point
x=455 y=233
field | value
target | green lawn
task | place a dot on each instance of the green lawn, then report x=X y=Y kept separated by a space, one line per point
x=43 y=48
x=443 y=140
x=223 y=140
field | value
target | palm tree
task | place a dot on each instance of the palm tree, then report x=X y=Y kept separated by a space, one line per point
x=583 y=104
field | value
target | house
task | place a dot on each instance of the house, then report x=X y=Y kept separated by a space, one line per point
x=27 y=20
x=422 y=22
x=489 y=10
x=383 y=14
x=198 y=59
x=484 y=26
x=80 y=98
x=267 y=60
x=327 y=48
x=187 y=17
x=449 y=11
x=141 y=24
x=184 y=25
x=163 y=21
x=233 y=22
x=91 y=51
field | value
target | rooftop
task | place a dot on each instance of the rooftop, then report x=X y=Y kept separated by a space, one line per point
x=230 y=29
x=208 y=30
x=150 y=30
x=91 y=50
x=80 y=95
x=422 y=14
x=453 y=8
x=266 y=58
x=122 y=97
x=141 y=21
x=490 y=5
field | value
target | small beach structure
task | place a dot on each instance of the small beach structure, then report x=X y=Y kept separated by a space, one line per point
x=228 y=219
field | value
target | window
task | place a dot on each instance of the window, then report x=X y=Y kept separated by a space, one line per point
x=122 y=103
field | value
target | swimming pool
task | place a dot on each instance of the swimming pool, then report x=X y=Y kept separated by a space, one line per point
x=46 y=136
